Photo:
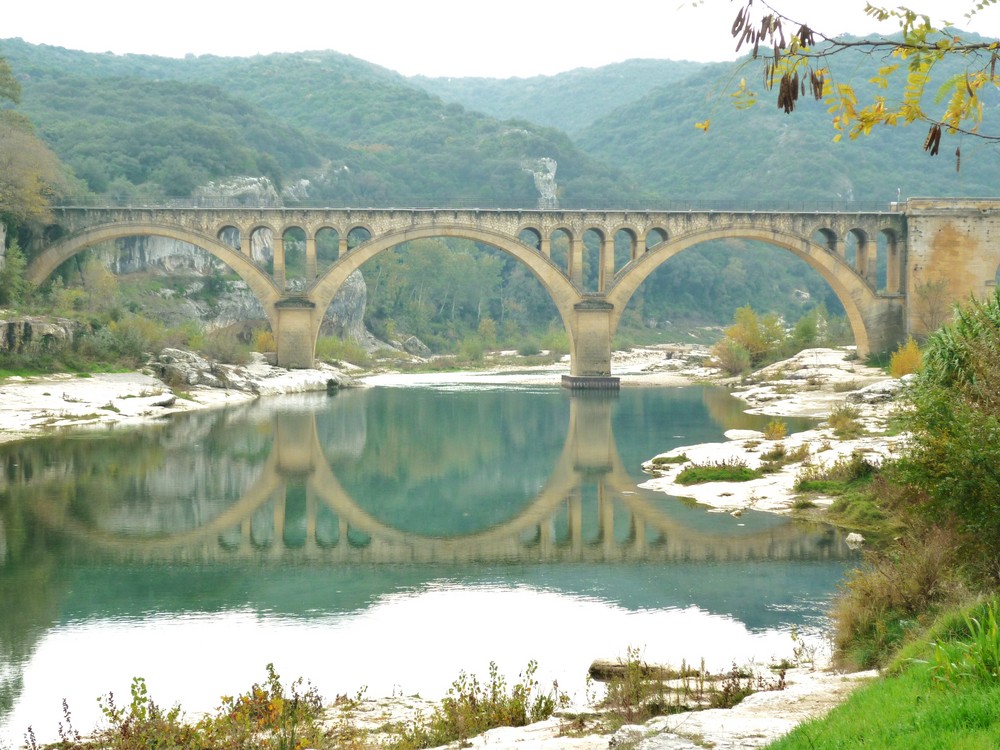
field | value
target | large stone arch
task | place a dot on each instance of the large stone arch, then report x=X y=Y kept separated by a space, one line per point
x=262 y=286
x=559 y=288
x=860 y=301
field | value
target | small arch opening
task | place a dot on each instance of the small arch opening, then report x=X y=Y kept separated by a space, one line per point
x=531 y=237
x=327 y=249
x=826 y=238
x=295 y=259
x=655 y=237
x=357 y=236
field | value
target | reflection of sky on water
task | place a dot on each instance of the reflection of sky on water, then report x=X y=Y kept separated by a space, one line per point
x=408 y=642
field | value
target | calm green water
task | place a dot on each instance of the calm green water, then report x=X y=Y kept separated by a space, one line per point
x=386 y=538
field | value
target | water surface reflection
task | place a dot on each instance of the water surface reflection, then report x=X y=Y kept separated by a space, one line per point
x=385 y=537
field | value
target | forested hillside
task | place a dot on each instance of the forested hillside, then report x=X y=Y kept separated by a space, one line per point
x=360 y=134
x=568 y=101
x=763 y=154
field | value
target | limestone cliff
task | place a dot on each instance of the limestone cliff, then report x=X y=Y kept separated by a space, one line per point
x=235 y=304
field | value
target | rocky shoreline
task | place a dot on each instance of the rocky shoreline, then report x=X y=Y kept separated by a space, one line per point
x=38 y=405
x=811 y=384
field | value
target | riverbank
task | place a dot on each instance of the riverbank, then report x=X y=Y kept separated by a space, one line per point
x=32 y=406
x=814 y=383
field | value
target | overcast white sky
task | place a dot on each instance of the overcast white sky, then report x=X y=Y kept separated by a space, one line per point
x=495 y=38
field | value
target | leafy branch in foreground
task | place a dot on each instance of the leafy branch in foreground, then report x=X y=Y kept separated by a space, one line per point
x=798 y=60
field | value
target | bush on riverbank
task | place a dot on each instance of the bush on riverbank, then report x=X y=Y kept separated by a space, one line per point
x=471 y=708
x=266 y=716
x=754 y=340
x=945 y=685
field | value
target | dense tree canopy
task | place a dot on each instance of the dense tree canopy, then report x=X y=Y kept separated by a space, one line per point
x=29 y=172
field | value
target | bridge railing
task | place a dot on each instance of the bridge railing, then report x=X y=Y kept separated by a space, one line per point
x=804 y=206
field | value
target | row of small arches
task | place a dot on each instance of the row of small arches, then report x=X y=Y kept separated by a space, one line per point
x=876 y=259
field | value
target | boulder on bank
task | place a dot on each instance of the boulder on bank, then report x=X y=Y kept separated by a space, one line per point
x=180 y=368
x=22 y=334
x=879 y=393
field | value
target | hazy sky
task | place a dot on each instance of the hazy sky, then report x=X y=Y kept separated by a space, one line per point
x=496 y=38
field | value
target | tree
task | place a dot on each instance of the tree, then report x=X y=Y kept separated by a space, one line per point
x=13 y=283
x=802 y=61
x=10 y=89
x=29 y=172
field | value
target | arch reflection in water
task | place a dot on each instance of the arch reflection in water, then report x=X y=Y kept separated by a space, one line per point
x=296 y=509
x=330 y=512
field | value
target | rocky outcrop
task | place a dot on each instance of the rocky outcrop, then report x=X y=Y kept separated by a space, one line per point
x=239 y=191
x=18 y=335
x=345 y=317
x=179 y=368
x=236 y=304
x=543 y=171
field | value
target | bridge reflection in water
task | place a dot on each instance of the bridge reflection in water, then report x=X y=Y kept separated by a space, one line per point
x=431 y=528
x=297 y=511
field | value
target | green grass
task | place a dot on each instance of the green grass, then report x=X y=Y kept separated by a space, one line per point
x=734 y=470
x=668 y=460
x=906 y=712
x=923 y=703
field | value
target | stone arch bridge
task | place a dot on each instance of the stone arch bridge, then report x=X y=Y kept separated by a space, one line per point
x=922 y=244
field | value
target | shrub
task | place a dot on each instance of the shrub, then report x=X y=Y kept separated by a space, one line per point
x=471 y=708
x=223 y=346
x=905 y=360
x=556 y=340
x=472 y=349
x=731 y=357
x=331 y=349
x=775 y=430
x=882 y=601
x=955 y=424
x=14 y=285
x=263 y=341
x=265 y=717
x=667 y=460
x=843 y=420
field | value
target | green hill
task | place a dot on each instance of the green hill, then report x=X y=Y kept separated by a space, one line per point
x=568 y=101
x=360 y=134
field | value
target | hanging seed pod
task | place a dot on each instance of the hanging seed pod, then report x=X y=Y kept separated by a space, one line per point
x=738 y=23
x=933 y=141
x=958 y=158
x=816 y=82
x=786 y=94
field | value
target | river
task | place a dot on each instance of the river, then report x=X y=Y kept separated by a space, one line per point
x=386 y=538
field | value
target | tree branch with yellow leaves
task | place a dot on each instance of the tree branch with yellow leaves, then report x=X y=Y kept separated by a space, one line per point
x=795 y=61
